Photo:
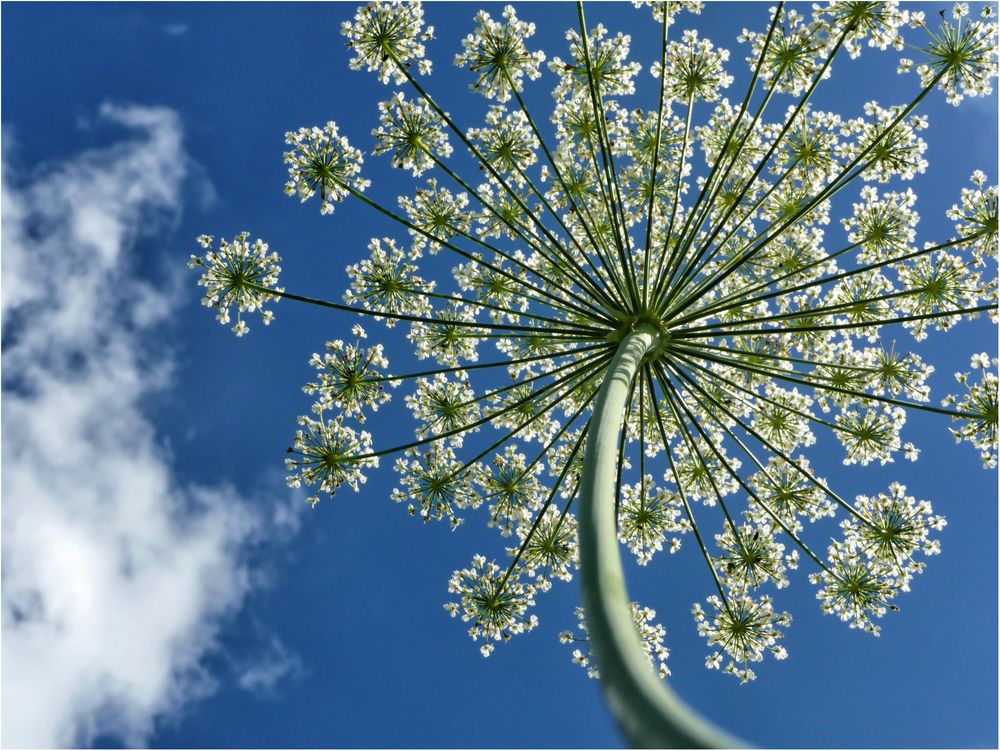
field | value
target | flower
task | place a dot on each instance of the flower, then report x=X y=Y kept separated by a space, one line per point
x=322 y=158
x=794 y=55
x=976 y=219
x=853 y=589
x=444 y=406
x=750 y=556
x=880 y=23
x=332 y=454
x=349 y=378
x=695 y=69
x=549 y=547
x=884 y=226
x=495 y=602
x=600 y=61
x=435 y=484
x=709 y=258
x=979 y=408
x=497 y=53
x=890 y=529
x=646 y=516
x=744 y=628
x=386 y=36
x=240 y=275
x=437 y=212
x=507 y=143
x=870 y=433
x=387 y=282
x=651 y=636
x=894 y=147
x=962 y=57
x=512 y=489
x=412 y=133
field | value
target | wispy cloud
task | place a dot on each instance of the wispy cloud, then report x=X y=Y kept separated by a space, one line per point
x=175 y=29
x=117 y=575
x=269 y=668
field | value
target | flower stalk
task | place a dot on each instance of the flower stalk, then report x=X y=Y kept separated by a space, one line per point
x=650 y=714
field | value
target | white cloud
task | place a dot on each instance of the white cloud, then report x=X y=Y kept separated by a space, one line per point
x=116 y=575
x=269 y=668
x=175 y=29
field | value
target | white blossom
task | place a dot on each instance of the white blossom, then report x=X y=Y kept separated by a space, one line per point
x=765 y=247
x=744 y=629
x=238 y=275
x=322 y=159
x=496 y=52
x=651 y=636
x=385 y=36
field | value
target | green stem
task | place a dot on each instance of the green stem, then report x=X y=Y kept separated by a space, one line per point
x=817 y=383
x=650 y=714
x=720 y=332
x=843 y=179
x=580 y=278
x=374 y=312
x=559 y=303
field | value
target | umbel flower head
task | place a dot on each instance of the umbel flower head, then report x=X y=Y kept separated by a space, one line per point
x=658 y=315
x=322 y=159
x=240 y=275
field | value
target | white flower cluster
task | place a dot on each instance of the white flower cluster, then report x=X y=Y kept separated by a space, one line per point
x=608 y=68
x=875 y=559
x=435 y=484
x=891 y=149
x=794 y=55
x=386 y=36
x=752 y=556
x=812 y=146
x=349 y=377
x=387 y=282
x=879 y=23
x=890 y=529
x=651 y=635
x=512 y=489
x=870 y=433
x=938 y=283
x=783 y=418
x=438 y=212
x=785 y=492
x=238 y=275
x=672 y=8
x=702 y=474
x=976 y=219
x=853 y=589
x=550 y=547
x=646 y=515
x=450 y=339
x=412 y=133
x=444 y=405
x=884 y=226
x=961 y=57
x=322 y=159
x=979 y=402
x=495 y=603
x=506 y=143
x=695 y=69
x=744 y=628
x=330 y=454
x=496 y=52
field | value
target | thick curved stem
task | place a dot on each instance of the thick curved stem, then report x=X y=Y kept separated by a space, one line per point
x=649 y=713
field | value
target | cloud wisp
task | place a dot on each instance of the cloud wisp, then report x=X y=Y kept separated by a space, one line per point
x=117 y=575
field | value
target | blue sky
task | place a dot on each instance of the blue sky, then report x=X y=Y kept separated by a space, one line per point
x=161 y=585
